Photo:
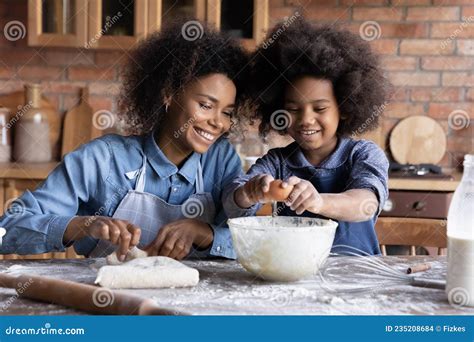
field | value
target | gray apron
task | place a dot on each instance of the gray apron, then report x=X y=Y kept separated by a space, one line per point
x=150 y=213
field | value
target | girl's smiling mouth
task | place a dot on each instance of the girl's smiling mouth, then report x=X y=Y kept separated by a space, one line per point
x=308 y=132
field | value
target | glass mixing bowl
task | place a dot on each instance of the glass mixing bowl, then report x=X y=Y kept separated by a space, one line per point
x=282 y=248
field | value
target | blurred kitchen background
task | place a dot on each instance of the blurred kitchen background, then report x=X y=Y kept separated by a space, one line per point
x=73 y=49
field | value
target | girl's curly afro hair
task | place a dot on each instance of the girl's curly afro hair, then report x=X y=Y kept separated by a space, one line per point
x=297 y=49
x=164 y=63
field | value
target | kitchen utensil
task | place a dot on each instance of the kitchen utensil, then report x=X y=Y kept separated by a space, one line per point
x=282 y=248
x=83 y=297
x=417 y=140
x=78 y=125
x=368 y=273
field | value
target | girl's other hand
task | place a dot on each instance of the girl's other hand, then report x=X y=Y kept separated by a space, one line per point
x=304 y=196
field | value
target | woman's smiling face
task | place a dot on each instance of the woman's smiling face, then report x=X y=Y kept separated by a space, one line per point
x=314 y=113
x=202 y=113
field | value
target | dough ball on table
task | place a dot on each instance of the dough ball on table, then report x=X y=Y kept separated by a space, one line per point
x=134 y=253
x=147 y=273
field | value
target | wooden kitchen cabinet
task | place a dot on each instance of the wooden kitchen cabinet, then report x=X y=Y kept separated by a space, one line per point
x=15 y=179
x=116 y=24
x=109 y=24
x=408 y=227
x=101 y=24
x=57 y=23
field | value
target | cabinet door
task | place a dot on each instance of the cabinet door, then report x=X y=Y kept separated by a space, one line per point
x=244 y=19
x=162 y=11
x=57 y=22
x=117 y=24
x=13 y=188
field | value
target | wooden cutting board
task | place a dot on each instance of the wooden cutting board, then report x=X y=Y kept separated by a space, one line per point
x=417 y=140
x=78 y=125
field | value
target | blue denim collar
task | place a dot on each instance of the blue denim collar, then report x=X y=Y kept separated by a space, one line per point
x=164 y=167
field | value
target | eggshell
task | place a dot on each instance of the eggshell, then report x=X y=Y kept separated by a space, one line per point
x=277 y=192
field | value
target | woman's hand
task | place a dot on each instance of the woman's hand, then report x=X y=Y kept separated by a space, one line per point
x=118 y=232
x=304 y=196
x=176 y=239
x=254 y=191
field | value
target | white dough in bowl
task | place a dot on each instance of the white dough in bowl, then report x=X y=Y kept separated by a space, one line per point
x=146 y=273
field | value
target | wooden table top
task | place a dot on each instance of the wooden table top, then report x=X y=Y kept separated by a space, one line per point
x=225 y=288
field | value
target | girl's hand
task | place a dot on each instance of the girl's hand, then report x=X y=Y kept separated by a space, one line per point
x=175 y=239
x=118 y=232
x=304 y=196
x=254 y=191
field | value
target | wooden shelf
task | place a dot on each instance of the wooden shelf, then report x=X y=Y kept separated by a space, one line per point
x=26 y=171
x=424 y=184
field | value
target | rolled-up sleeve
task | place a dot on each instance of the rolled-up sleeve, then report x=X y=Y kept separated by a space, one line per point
x=40 y=220
x=370 y=171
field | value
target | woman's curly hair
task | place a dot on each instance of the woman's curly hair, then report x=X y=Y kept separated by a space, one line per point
x=297 y=49
x=167 y=61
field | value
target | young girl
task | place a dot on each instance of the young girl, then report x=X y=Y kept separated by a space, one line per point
x=319 y=85
x=161 y=189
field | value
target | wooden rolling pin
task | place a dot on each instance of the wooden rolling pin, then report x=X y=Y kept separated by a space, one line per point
x=92 y=299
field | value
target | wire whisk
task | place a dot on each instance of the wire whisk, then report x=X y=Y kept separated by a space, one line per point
x=367 y=273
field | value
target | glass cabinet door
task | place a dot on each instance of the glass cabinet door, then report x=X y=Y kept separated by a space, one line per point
x=163 y=11
x=57 y=22
x=116 y=24
x=243 y=19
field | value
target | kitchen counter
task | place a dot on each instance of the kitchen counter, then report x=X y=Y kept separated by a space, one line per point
x=225 y=288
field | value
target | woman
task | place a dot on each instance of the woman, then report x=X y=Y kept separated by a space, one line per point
x=160 y=189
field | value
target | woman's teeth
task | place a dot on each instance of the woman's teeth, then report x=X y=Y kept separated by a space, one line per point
x=205 y=135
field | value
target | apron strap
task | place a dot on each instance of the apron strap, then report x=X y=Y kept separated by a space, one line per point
x=140 y=184
x=199 y=179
